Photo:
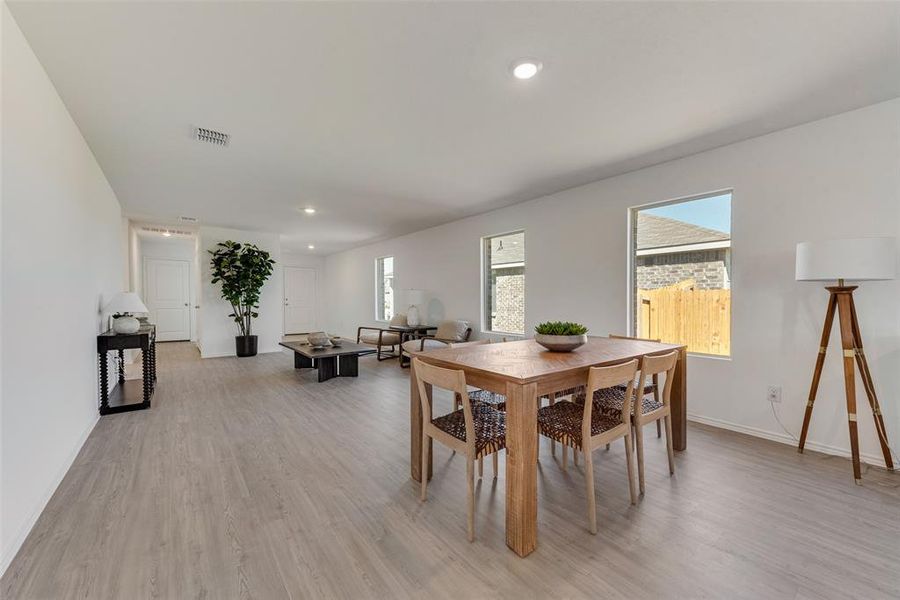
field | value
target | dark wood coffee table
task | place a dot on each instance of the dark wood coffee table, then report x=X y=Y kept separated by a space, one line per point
x=341 y=361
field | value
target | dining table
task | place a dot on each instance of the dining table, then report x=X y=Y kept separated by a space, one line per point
x=524 y=371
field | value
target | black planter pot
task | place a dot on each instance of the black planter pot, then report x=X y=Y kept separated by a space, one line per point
x=245 y=345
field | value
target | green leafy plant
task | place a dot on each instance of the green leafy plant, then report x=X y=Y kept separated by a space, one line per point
x=560 y=328
x=242 y=269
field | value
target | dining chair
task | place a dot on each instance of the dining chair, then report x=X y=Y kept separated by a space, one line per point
x=477 y=430
x=498 y=401
x=650 y=408
x=586 y=429
x=577 y=394
x=653 y=386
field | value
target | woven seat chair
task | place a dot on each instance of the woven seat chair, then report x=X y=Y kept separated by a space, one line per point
x=650 y=387
x=477 y=430
x=583 y=428
x=653 y=408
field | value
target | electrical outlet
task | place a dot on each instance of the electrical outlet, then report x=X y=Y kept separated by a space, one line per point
x=773 y=393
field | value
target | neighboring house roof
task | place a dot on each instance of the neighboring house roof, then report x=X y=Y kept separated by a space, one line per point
x=511 y=253
x=662 y=232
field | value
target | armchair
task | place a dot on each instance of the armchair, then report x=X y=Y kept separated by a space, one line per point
x=448 y=332
x=381 y=337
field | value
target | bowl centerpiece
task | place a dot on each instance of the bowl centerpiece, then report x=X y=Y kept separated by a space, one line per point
x=319 y=340
x=560 y=336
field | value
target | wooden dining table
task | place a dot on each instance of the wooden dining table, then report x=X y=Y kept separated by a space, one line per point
x=523 y=371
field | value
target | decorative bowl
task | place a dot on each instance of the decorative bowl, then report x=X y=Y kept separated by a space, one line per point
x=560 y=343
x=318 y=340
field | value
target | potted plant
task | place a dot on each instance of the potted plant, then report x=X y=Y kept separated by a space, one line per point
x=560 y=336
x=242 y=269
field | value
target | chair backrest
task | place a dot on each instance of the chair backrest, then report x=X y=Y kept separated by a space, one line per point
x=652 y=365
x=454 y=330
x=626 y=337
x=606 y=377
x=453 y=380
x=464 y=344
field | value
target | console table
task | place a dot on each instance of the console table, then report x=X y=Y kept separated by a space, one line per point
x=134 y=394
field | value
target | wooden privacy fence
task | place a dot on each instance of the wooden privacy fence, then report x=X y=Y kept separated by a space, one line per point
x=680 y=314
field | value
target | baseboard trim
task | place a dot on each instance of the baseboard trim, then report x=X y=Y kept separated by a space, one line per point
x=10 y=553
x=872 y=459
x=224 y=354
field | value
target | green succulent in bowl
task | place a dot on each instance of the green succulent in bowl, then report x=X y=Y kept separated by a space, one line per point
x=560 y=328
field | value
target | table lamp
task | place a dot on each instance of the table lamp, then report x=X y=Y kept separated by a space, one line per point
x=414 y=297
x=125 y=304
x=856 y=259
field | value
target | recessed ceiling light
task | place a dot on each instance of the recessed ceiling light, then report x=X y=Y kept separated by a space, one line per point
x=167 y=234
x=526 y=68
x=309 y=210
x=311 y=247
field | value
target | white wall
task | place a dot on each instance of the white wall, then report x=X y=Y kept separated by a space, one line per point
x=830 y=178
x=317 y=263
x=216 y=329
x=62 y=255
x=175 y=248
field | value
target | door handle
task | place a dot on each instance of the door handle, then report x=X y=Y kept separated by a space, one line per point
x=186 y=304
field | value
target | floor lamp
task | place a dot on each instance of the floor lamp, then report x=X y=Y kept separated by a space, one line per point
x=859 y=259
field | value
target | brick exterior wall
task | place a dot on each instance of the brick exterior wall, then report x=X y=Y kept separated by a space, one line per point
x=709 y=268
x=508 y=310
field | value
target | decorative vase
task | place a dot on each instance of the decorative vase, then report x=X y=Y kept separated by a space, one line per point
x=412 y=316
x=245 y=345
x=126 y=324
x=560 y=343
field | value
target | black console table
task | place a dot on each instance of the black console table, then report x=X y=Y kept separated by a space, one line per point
x=134 y=394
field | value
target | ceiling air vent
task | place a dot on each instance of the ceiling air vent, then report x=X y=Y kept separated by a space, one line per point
x=211 y=136
x=189 y=219
x=167 y=231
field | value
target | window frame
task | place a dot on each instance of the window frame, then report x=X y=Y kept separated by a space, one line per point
x=485 y=281
x=631 y=254
x=379 y=287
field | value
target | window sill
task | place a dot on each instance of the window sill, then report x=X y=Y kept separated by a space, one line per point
x=711 y=356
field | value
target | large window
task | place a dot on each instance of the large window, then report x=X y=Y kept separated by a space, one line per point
x=384 y=288
x=503 y=266
x=681 y=273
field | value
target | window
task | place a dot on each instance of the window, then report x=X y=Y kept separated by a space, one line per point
x=681 y=273
x=384 y=288
x=503 y=271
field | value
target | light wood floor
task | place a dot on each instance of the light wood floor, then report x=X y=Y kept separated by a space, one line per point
x=248 y=479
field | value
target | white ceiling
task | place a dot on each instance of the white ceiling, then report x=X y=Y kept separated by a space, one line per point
x=392 y=117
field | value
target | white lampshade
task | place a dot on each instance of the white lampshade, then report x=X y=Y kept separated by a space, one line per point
x=415 y=297
x=858 y=259
x=126 y=302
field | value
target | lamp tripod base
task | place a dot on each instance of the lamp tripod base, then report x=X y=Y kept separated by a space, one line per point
x=841 y=301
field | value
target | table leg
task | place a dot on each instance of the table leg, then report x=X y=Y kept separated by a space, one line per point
x=415 y=428
x=521 y=468
x=348 y=365
x=146 y=372
x=302 y=362
x=678 y=402
x=104 y=383
x=327 y=367
x=121 y=370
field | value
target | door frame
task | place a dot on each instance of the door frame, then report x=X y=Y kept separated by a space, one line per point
x=284 y=272
x=190 y=287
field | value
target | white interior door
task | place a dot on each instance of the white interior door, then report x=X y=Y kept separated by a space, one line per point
x=167 y=293
x=299 y=300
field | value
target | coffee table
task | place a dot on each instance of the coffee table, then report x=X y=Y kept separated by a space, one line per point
x=340 y=361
